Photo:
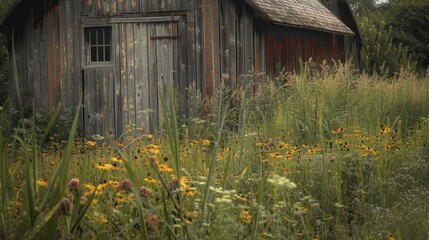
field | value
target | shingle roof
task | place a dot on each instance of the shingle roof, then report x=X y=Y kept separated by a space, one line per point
x=301 y=13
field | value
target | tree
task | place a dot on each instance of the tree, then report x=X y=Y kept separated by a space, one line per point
x=409 y=20
x=380 y=54
x=362 y=7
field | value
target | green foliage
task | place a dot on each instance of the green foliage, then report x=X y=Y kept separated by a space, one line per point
x=330 y=155
x=409 y=20
x=39 y=119
x=380 y=55
x=362 y=7
x=4 y=69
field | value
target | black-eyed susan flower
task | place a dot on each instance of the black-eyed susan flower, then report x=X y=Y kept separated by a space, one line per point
x=245 y=216
x=189 y=192
x=164 y=168
x=41 y=182
x=91 y=143
x=338 y=130
x=150 y=180
x=105 y=166
x=116 y=159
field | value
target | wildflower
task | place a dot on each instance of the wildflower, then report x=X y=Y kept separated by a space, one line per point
x=120 y=197
x=184 y=181
x=74 y=185
x=246 y=217
x=101 y=219
x=173 y=184
x=64 y=208
x=116 y=159
x=97 y=137
x=154 y=160
x=391 y=237
x=118 y=143
x=188 y=192
x=91 y=143
x=105 y=166
x=41 y=182
x=164 y=168
x=144 y=192
x=91 y=188
x=125 y=185
x=151 y=222
x=150 y=136
x=385 y=130
x=150 y=180
x=206 y=142
x=337 y=130
x=280 y=181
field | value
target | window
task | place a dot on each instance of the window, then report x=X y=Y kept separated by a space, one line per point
x=98 y=45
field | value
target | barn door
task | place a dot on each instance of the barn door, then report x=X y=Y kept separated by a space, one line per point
x=147 y=62
x=126 y=95
x=98 y=114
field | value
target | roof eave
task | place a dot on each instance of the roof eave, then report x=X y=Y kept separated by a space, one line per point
x=351 y=33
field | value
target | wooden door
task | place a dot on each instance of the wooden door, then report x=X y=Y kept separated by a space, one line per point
x=126 y=95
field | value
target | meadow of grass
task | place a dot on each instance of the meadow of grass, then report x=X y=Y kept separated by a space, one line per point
x=326 y=154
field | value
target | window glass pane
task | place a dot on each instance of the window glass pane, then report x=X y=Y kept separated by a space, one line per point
x=93 y=54
x=100 y=53
x=100 y=35
x=108 y=35
x=93 y=36
x=107 y=53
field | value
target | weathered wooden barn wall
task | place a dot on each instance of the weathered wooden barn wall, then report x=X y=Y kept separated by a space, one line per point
x=233 y=50
x=151 y=49
x=342 y=10
x=156 y=44
x=48 y=56
x=285 y=46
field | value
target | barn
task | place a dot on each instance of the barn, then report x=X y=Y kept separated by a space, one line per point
x=116 y=54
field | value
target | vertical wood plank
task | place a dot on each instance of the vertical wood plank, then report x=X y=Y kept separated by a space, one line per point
x=142 y=77
x=131 y=105
x=124 y=78
x=153 y=78
x=51 y=59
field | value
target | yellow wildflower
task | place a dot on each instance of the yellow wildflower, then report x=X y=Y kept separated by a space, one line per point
x=189 y=192
x=150 y=180
x=150 y=136
x=91 y=143
x=164 y=168
x=116 y=159
x=105 y=166
x=337 y=130
x=206 y=142
x=184 y=181
x=42 y=183
x=246 y=217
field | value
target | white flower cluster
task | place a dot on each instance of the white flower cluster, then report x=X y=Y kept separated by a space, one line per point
x=279 y=181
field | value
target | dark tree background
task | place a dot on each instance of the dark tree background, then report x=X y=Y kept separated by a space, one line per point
x=395 y=35
x=4 y=86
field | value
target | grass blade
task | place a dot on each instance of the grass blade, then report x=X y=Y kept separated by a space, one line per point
x=51 y=123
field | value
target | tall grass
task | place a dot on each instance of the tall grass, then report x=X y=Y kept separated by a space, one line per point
x=328 y=154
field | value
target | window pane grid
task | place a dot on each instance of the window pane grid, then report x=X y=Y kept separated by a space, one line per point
x=99 y=44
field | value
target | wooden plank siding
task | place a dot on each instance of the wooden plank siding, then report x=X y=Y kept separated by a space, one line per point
x=318 y=46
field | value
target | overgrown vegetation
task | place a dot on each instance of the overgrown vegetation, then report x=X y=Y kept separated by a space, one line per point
x=395 y=35
x=329 y=155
